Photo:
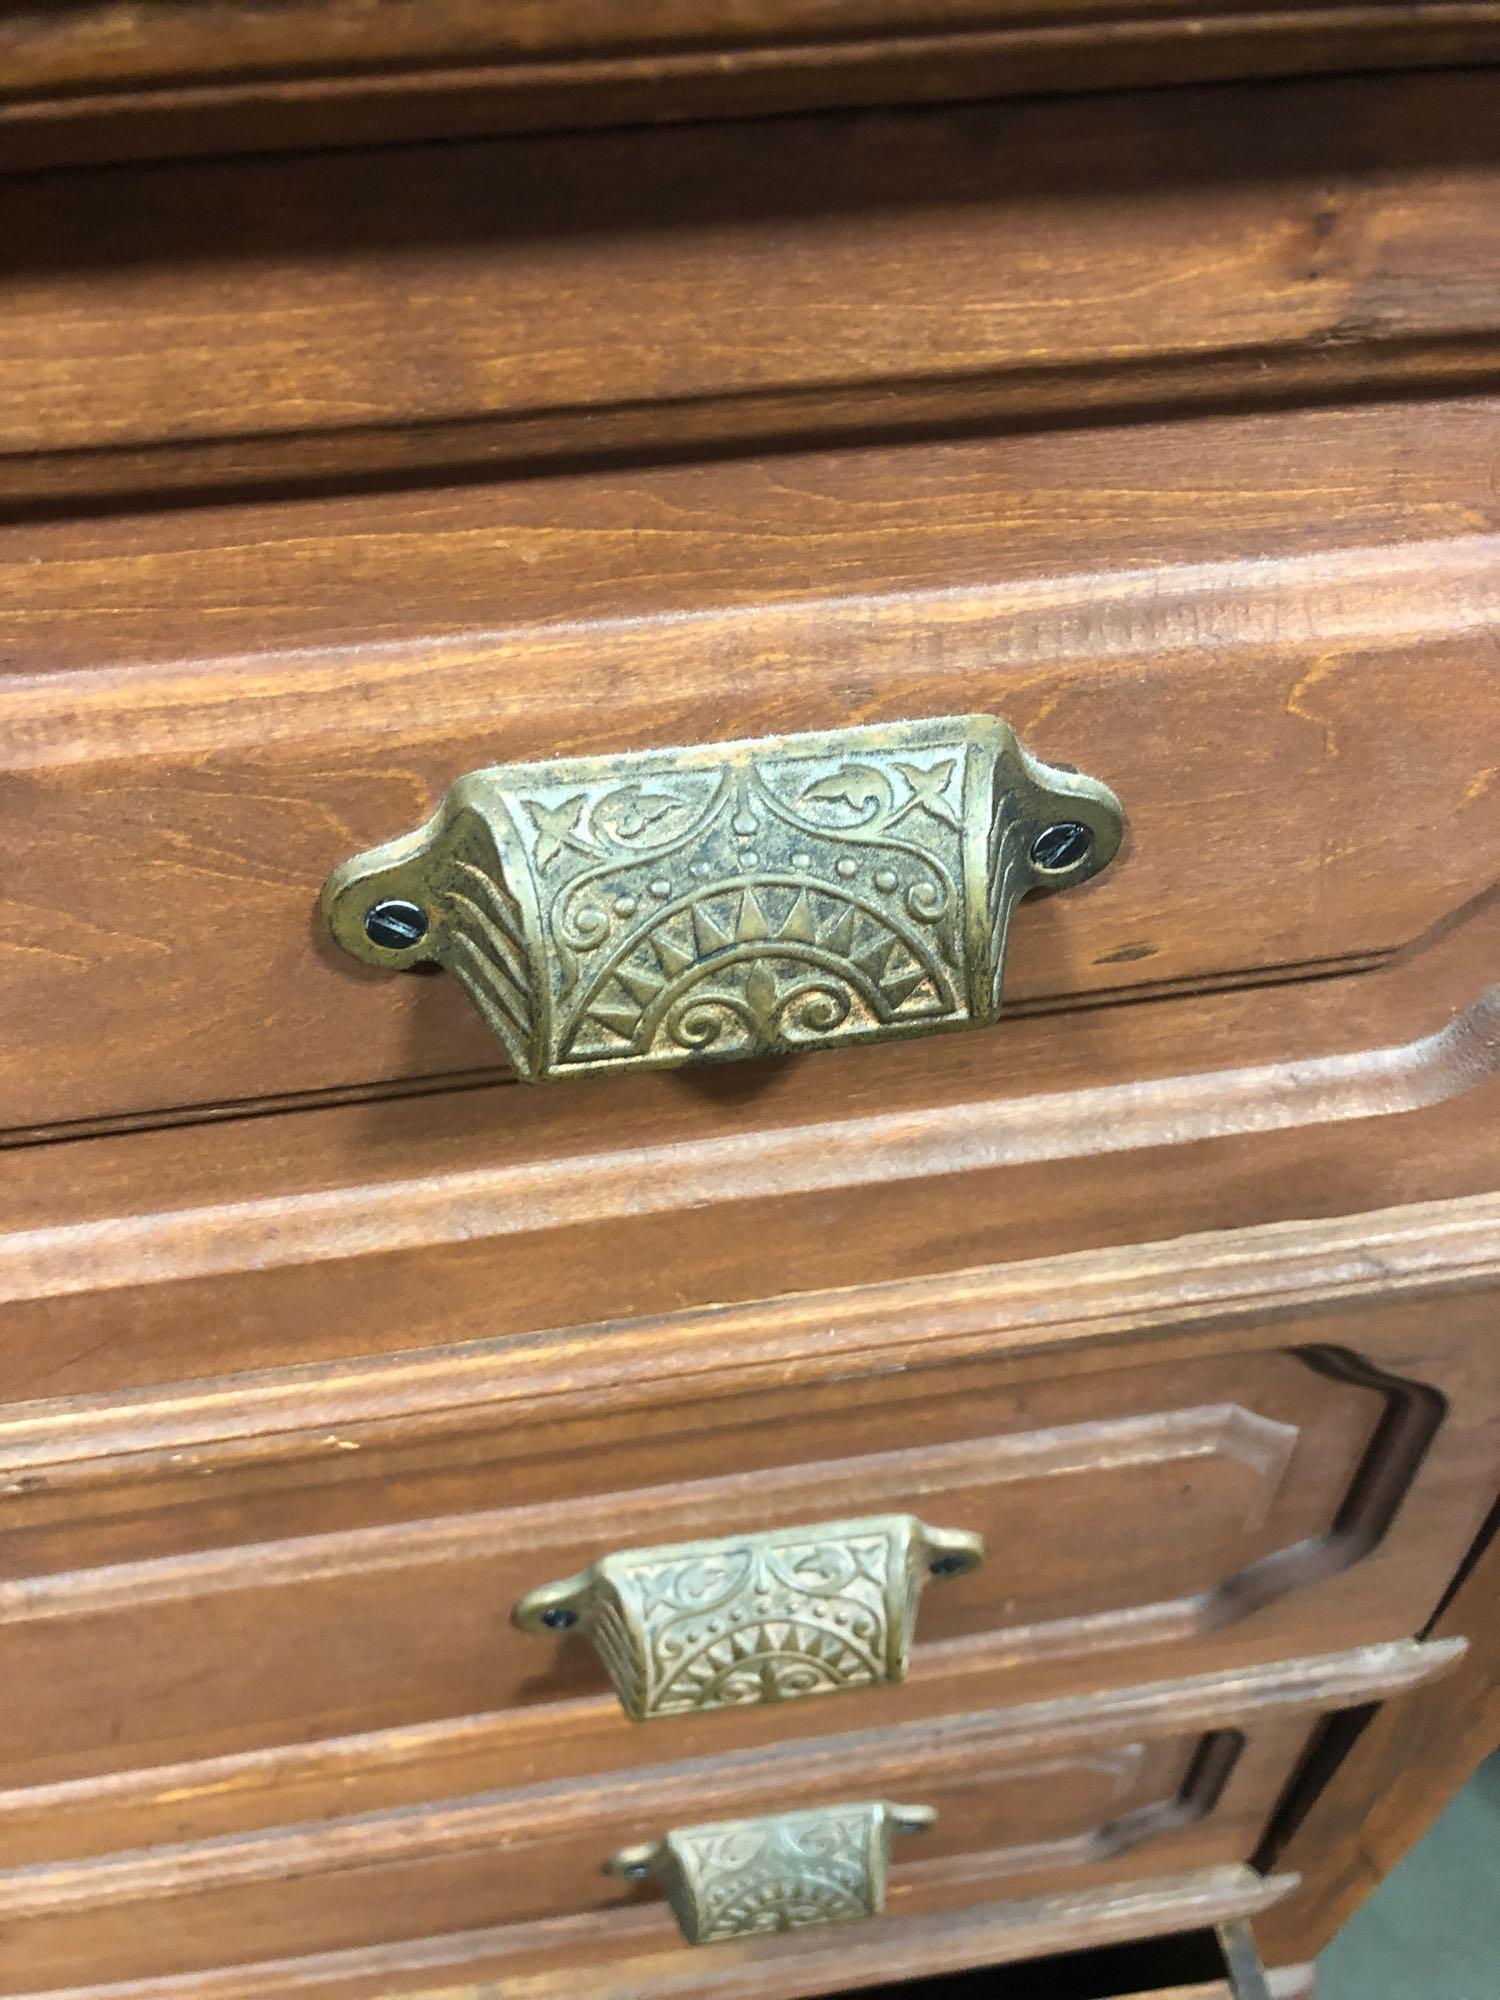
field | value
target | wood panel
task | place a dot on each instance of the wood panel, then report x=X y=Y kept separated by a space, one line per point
x=86 y=82
x=1139 y=1531
x=1093 y=1800
x=568 y=1956
x=421 y=314
x=1401 y=1771
x=1271 y=1484
x=208 y=1799
x=483 y=1214
x=1206 y=1450
x=221 y=755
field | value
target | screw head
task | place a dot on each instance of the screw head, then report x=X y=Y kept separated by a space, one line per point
x=395 y=924
x=559 y=1618
x=951 y=1564
x=637 y=1871
x=1061 y=846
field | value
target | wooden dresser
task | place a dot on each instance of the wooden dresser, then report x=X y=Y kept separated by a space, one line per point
x=732 y=533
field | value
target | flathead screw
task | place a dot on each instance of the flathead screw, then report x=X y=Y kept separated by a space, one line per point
x=559 y=1618
x=396 y=925
x=1062 y=846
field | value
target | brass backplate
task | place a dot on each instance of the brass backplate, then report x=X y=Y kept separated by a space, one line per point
x=754 y=1618
x=732 y=899
x=744 y=1877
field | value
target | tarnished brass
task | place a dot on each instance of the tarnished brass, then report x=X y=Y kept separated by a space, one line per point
x=743 y=1877
x=733 y=899
x=754 y=1618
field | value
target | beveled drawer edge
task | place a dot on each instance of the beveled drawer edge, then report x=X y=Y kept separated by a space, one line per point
x=1039 y=1305
x=255 y=1787
x=379 y=1217
x=567 y=1958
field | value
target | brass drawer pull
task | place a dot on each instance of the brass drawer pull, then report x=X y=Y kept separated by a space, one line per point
x=743 y=1877
x=754 y=1618
x=733 y=899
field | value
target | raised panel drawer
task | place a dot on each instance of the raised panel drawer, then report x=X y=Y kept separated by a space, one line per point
x=1067 y=1813
x=237 y=1565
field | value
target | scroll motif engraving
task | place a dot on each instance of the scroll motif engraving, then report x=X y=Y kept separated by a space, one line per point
x=737 y=899
x=743 y=1878
x=770 y=1617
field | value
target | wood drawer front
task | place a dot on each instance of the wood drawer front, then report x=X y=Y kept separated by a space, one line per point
x=221 y=794
x=1243 y=608
x=293 y=328
x=323 y=1240
x=83 y=84
x=1251 y=1491
x=1076 y=1799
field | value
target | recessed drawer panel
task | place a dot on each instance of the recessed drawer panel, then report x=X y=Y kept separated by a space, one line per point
x=277 y=1562
x=1163 y=1790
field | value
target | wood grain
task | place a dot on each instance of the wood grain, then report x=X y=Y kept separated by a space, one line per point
x=357 y=1579
x=389 y=1772
x=568 y=1956
x=416 y=315
x=432 y=1399
x=1162 y=424
x=201 y=723
x=1109 y=1799
x=1145 y=1538
x=1401 y=1772
x=1036 y=1824
x=86 y=82
x=471 y=1216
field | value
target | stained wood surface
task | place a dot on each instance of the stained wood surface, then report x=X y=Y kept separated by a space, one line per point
x=418 y=314
x=1060 y=1804
x=1161 y=425
x=568 y=1956
x=1047 y=1823
x=1263 y=608
x=1163 y=1524
x=87 y=82
x=203 y=721
x=348 y=1579
x=475 y=1215
x=378 y=1774
x=1400 y=1774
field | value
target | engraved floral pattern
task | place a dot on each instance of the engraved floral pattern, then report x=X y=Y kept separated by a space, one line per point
x=782 y=1874
x=733 y=899
x=790 y=900
x=765 y=1622
x=771 y=1617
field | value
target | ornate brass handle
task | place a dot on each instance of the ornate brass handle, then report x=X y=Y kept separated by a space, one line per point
x=754 y=1618
x=733 y=899
x=743 y=1877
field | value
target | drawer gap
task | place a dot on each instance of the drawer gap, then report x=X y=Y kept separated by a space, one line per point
x=1182 y=1965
